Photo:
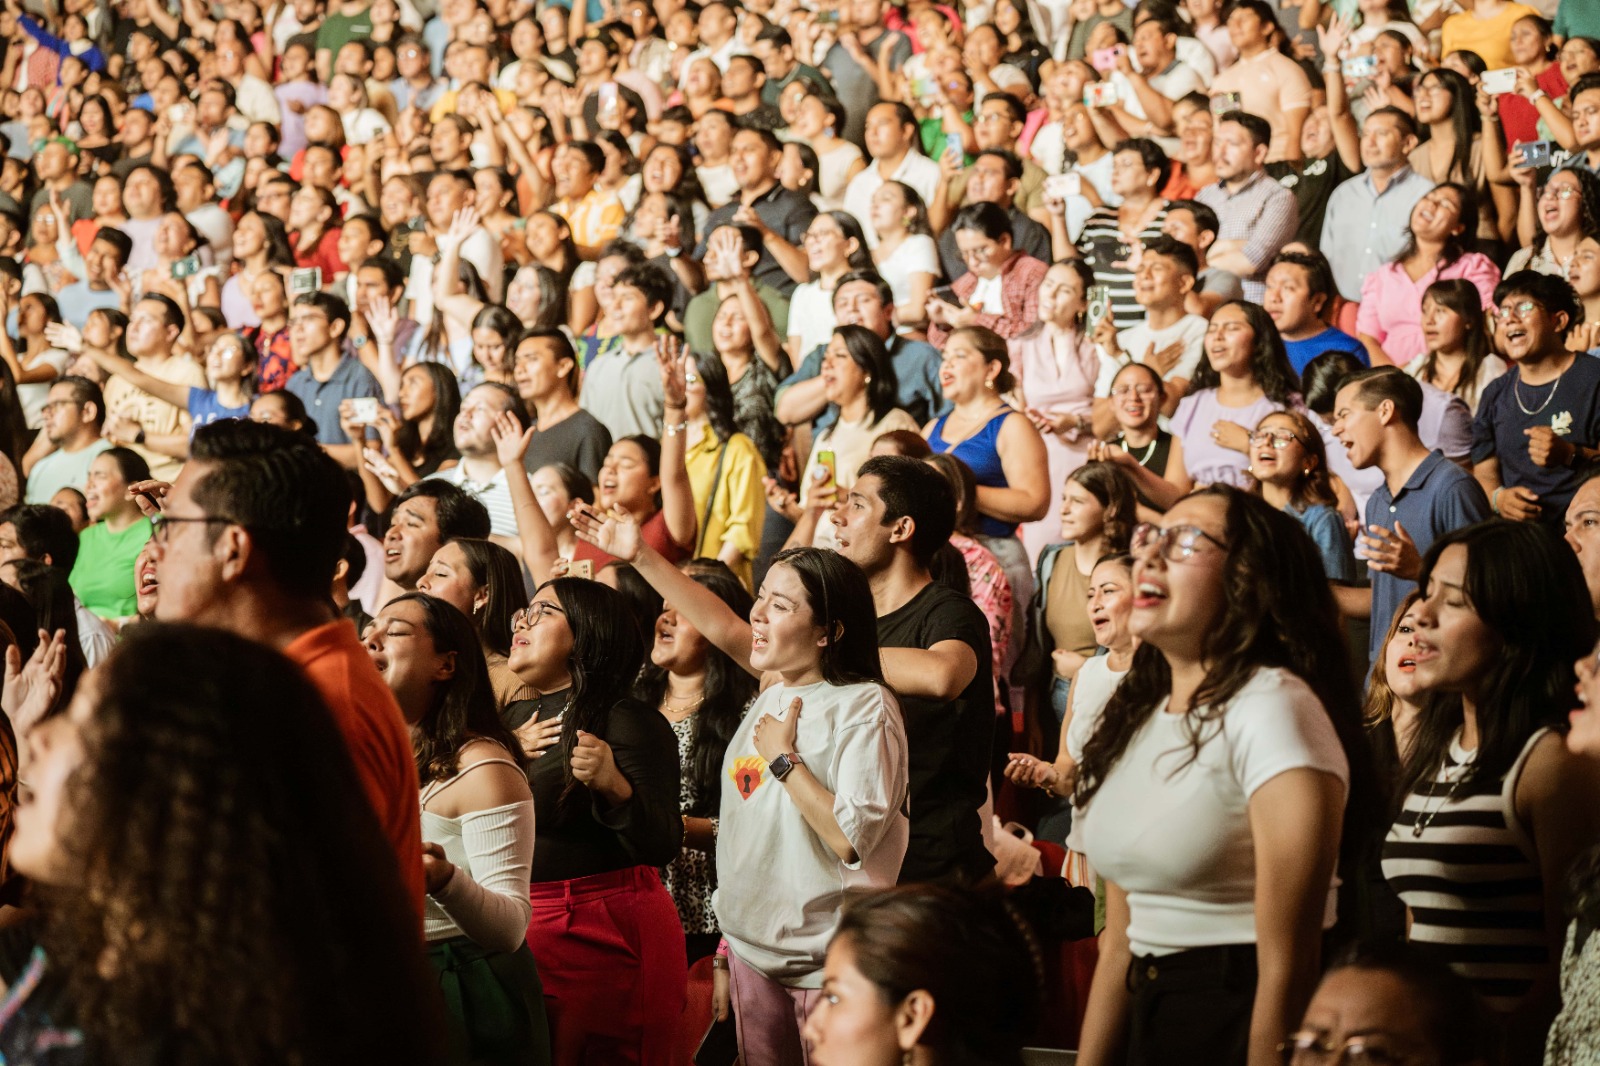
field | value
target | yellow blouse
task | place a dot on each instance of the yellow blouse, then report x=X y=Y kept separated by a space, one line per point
x=739 y=508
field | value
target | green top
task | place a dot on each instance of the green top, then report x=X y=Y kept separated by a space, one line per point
x=338 y=30
x=103 y=575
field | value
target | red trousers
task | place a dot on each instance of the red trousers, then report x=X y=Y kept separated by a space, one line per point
x=612 y=962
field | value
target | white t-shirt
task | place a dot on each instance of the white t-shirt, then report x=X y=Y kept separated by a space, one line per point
x=811 y=315
x=1091 y=691
x=917 y=254
x=778 y=898
x=1136 y=341
x=1175 y=833
x=916 y=170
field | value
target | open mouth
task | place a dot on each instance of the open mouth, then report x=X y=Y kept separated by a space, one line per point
x=1407 y=664
x=758 y=640
x=1148 y=594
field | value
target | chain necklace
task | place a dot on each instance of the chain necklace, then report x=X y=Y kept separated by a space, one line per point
x=1429 y=814
x=1516 y=392
x=681 y=712
x=1149 y=449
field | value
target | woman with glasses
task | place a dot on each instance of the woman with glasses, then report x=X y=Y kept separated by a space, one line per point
x=999 y=291
x=1244 y=376
x=230 y=369
x=1056 y=366
x=1225 y=773
x=1383 y=1007
x=1150 y=454
x=817 y=769
x=1389 y=323
x=835 y=246
x=604 y=774
x=1290 y=468
x=477 y=829
x=1552 y=220
x=1495 y=808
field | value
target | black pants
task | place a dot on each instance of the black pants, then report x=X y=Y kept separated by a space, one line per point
x=1192 y=1007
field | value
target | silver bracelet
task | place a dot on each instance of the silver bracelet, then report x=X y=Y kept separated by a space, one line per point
x=674 y=430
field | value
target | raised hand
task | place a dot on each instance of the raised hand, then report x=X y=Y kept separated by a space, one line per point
x=1331 y=38
x=32 y=688
x=511 y=440
x=669 y=359
x=67 y=338
x=781 y=499
x=462 y=225
x=382 y=319
x=615 y=534
x=1393 y=552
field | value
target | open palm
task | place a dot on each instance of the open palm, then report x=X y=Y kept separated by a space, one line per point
x=615 y=533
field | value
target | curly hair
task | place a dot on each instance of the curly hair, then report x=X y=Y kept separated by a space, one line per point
x=1269 y=362
x=1277 y=610
x=234 y=898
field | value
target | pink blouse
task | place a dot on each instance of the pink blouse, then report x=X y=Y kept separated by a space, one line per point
x=1391 y=303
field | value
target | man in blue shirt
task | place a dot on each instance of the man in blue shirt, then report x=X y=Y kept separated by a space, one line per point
x=1299 y=291
x=1423 y=495
x=327 y=377
x=108 y=254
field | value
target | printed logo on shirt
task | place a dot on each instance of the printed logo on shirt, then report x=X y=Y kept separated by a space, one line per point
x=747 y=774
x=1561 y=424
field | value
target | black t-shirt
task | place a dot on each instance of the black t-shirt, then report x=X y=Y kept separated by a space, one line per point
x=584 y=836
x=1311 y=184
x=125 y=30
x=949 y=741
x=580 y=440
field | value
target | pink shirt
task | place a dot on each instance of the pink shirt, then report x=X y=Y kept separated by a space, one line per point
x=1391 y=303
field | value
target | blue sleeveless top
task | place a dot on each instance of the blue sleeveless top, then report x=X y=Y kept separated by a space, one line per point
x=981 y=452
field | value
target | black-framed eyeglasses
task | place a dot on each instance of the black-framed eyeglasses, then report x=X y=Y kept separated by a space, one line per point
x=1175 y=543
x=534 y=613
x=1312 y=1049
x=162 y=523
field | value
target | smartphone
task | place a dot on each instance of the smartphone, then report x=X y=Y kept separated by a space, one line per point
x=187 y=267
x=1061 y=186
x=1099 y=94
x=1360 y=67
x=1498 y=82
x=303 y=280
x=825 y=476
x=1222 y=103
x=583 y=568
x=1099 y=306
x=923 y=87
x=1536 y=154
x=828 y=18
x=608 y=100
x=948 y=295
x=954 y=146
x=1105 y=59
x=364 y=410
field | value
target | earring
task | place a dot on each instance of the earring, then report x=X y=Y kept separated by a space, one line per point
x=989 y=384
x=869 y=379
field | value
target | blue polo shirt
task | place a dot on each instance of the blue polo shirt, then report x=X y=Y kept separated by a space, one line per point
x=349 y=380
x=1438 y=497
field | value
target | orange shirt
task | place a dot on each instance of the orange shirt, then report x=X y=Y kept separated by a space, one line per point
x=368 y=716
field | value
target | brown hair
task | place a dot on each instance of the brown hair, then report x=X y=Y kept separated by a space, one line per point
x=1315 y=485
x=994 y=349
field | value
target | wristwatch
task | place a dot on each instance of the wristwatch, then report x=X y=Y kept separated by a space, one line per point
x=784 y=764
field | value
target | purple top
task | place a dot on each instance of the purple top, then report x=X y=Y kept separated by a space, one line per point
x=293 y=129
x=1209 y=463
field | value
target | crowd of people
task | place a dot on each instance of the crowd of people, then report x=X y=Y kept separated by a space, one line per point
x=576 y=535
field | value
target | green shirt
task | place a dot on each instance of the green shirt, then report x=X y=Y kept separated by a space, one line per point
x=103 y=575
x=339 y=30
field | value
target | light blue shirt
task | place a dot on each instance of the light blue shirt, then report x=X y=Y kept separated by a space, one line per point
x=1363 y=228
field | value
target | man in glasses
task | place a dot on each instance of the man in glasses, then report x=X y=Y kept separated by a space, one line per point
x=248 y=540
x=1423 y=495
x=1538 y=425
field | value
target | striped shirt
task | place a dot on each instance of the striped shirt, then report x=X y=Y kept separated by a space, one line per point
x=1470 y=878
x=1113 y=260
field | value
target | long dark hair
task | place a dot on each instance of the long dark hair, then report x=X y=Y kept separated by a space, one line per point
x=221 y=810
x=1462 y=297
x=605 y=660
x=861 y=258
x=278 y=252
x=1526 y=587
x=463 y=708
x=1314 y=486
x=495 y=570
x=1114 y=488
x=841 y=602
x=867 y=351
x=1269 y=362
x=1456 y=245
x=1588 y=206
x=427 y=455
x=1464 y=120
x=719 y=395
x=1277 y=611
x=728 y=692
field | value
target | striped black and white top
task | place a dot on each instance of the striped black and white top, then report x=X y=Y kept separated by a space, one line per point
x=1110 y=256
x=1467 y=870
